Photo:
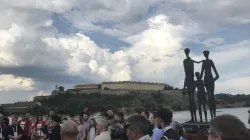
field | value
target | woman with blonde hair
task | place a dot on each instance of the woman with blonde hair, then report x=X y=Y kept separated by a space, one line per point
x=82 y=132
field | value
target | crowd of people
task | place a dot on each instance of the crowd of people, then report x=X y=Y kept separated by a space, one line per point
x=157 y=125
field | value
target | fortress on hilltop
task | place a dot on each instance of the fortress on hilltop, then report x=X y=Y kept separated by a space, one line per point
x=120 y=87
x=133 y=85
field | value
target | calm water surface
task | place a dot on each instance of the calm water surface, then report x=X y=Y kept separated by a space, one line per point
x=241 y=113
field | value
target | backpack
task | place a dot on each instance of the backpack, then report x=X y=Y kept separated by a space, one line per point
x=164 y=138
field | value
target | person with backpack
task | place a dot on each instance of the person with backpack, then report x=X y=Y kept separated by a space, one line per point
x=164 y=120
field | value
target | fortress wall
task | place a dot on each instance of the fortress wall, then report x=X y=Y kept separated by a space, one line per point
x=127 y=85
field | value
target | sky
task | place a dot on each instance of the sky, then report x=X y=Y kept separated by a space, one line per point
x=61 y=42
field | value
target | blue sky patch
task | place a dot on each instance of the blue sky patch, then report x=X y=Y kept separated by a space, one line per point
x=62 y=24
x=106 y=41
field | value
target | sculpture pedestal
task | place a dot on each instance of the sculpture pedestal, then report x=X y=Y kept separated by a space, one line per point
x=196 y=131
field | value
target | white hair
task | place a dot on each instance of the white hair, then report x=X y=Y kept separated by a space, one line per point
x=69 y=128
x=103 y=122
x=110 y=112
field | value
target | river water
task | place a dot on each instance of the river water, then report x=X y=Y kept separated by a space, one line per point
x=241 y=113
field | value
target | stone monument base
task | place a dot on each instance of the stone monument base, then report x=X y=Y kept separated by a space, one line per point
x=196 y=131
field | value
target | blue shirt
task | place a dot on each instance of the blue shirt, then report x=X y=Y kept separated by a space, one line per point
x=182 y=138
x=172 y=123
x=157 y=133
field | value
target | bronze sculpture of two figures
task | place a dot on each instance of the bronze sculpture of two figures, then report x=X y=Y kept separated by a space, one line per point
x=204 y=88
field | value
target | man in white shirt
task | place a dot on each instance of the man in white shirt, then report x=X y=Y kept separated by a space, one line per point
x=102 y=127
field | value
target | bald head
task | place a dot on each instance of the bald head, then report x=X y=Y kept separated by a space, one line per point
x=69 y=129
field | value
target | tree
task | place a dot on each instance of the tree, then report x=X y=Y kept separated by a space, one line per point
x=150 y=105
x=158 y=97
x=99 y=86
x=105 y=88
x=61 y=89
x=1 y=109
x=175 y=105
x=168 y=87
x=73 y=103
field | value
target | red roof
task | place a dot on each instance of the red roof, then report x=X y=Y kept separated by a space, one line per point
x=87 y=86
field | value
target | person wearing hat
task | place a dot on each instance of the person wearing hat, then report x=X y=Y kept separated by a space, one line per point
x=55 y=133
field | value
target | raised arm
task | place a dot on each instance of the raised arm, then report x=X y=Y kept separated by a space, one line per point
x=215 y=71
x=202 y=70
x=197 y=61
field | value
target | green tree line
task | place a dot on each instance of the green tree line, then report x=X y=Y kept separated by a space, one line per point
x=74 y=103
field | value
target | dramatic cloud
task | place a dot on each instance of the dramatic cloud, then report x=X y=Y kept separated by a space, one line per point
x=47 y=43
x=213 y=42
x=123 y=18
x=86 y=58
x=11 y=83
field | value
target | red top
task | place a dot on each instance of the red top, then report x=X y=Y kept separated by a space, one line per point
x=25 y=126
x=42 y=124
x=35 y=127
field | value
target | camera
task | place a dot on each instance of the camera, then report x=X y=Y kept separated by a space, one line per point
x=118 y=133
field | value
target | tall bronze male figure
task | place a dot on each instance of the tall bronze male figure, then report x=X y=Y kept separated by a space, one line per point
x=209 y=80
x=189 y=83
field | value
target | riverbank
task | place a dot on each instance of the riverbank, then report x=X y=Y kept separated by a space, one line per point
x=241 y=113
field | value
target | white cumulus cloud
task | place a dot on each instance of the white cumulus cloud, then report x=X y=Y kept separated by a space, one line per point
x=86 y=58
x=11 y=83
x=33 y=49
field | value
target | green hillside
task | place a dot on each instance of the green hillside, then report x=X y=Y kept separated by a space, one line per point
x=73 y=103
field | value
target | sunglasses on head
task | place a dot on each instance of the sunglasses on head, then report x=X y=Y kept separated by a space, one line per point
x=126 y=126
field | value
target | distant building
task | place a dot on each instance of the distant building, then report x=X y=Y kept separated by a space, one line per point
x=39 y=98
x=55 y=92
x=131 y=85
x=87 y=86
x=18 y=107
